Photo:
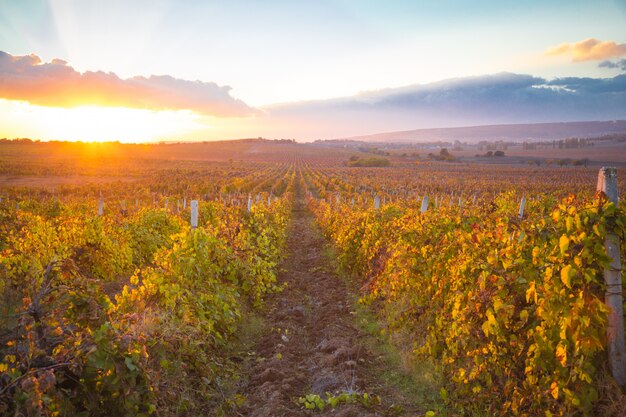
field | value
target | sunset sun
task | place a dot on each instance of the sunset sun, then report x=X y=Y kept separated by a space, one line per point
x=95 y=123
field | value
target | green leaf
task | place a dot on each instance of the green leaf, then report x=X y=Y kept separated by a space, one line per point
x=443 y=394
x=129 y=364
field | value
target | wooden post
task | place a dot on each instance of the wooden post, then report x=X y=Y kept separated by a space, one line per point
x=194 y=214
x=522 y=204
x=100 y=206
x=249 y=203
x=607 y=183
x=424 y=204
x=377 y=202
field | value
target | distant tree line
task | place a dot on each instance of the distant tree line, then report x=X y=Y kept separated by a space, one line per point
x=373 y=161
x=490 y=154
x=444 y=155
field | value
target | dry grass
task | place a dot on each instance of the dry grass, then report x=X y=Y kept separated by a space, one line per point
x=612 y=400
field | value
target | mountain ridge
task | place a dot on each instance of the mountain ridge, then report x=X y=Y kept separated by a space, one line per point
x=509 y=132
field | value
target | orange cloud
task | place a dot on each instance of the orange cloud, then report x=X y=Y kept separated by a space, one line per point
x=589 y=50
x=57 y=84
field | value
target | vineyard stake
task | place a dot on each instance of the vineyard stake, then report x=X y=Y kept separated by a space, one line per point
x=424 y=204
x=522 y=204
x=607 y=183
x=194 y=214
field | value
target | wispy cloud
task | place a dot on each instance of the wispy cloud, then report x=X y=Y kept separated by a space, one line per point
x=589 y=50
x=57 y=84
x=620 y=63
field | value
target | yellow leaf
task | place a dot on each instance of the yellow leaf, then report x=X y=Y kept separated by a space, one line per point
x=536 y=252
x=548 y=273
x=561 y=354
x=566 y=276
x=531 y=293
x=506 y=263
x=486 y=327
x=563 y=244
x=554 y=390
x=523 y=315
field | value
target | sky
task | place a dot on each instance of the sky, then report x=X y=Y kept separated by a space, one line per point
x=205 y=70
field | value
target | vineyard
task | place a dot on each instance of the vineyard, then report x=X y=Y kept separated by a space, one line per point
x=113 y=303
x=511 y=307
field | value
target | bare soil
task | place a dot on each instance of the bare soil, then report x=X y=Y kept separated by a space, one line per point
x=312 y=343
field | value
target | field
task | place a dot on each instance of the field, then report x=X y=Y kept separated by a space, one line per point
x=309 y=287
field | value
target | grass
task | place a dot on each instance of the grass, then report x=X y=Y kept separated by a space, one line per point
x=398 y=371
x=241 y=354
x=415 y=379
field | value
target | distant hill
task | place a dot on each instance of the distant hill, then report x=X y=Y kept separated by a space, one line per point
x=512 y=132
x=252 y=150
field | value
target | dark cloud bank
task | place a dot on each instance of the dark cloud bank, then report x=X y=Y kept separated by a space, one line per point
x=490 y=99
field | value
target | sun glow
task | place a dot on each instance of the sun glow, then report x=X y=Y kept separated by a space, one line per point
x=94 y=123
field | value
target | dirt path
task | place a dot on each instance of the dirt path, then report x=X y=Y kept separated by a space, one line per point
x=311 y=344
